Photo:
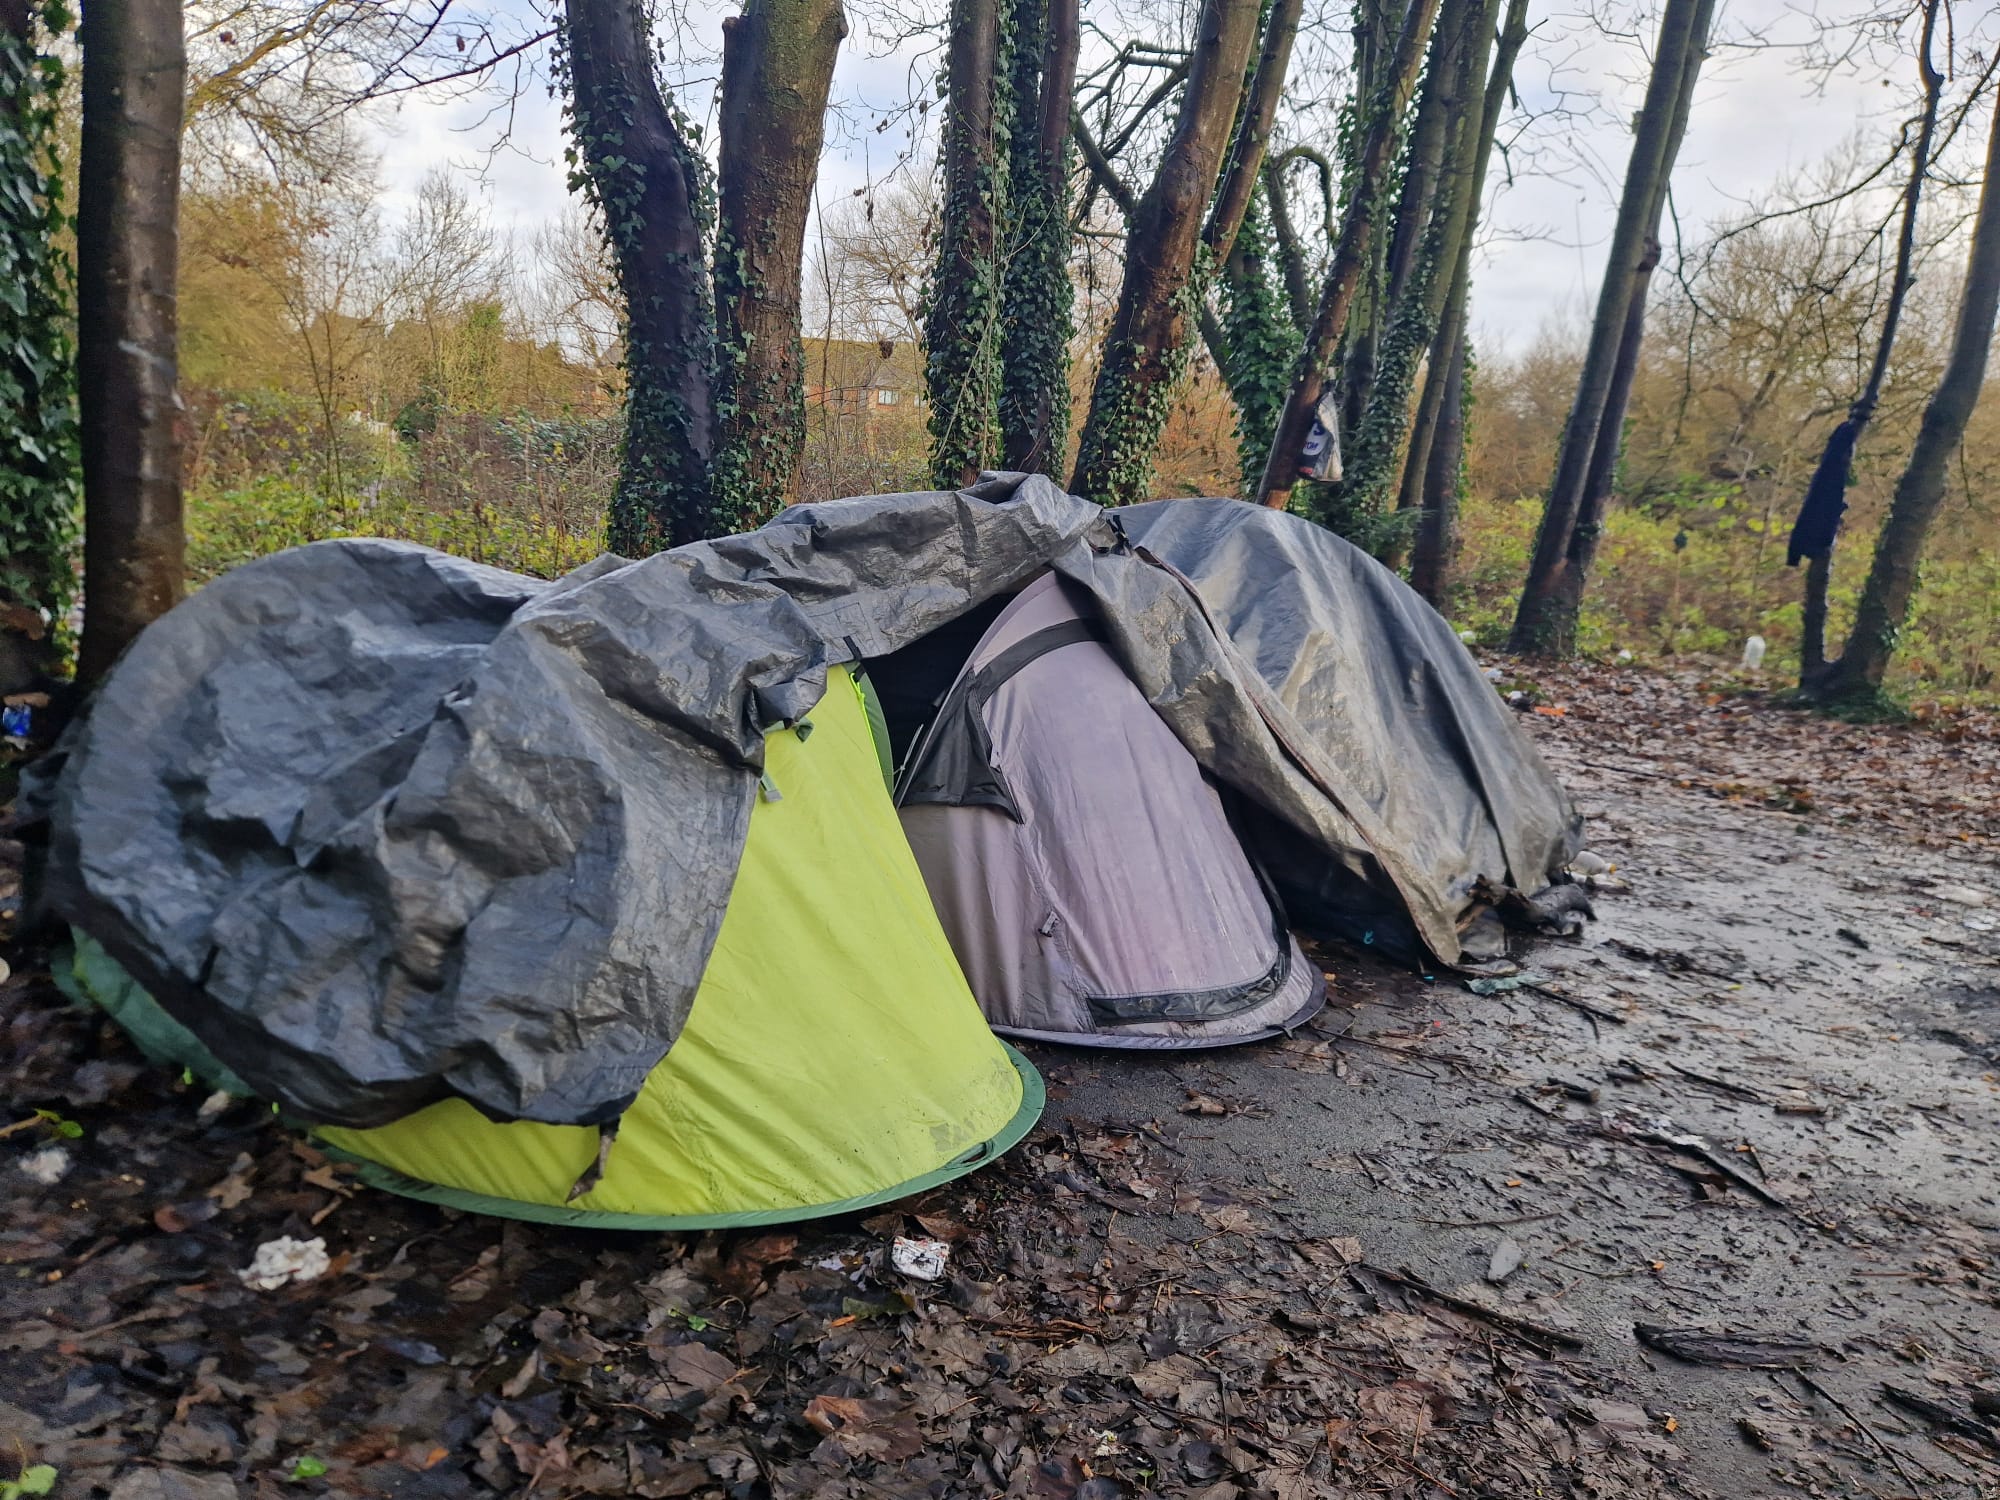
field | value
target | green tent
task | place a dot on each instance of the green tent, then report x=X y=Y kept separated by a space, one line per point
x=834 y=1058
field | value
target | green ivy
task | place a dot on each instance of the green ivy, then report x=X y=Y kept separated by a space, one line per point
x=962 y=304
x=667 y=490
x=39 y=466
x=1037 y=312
x=1262 y=342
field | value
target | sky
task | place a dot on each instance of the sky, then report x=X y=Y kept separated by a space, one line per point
x=1760 y=113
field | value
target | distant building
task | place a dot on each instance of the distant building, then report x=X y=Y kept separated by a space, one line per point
x=868 y=378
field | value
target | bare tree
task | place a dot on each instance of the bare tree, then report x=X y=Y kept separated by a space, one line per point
x=1545 y=623
x=128 y=245
x=1437 y=433
x=1892 y=577
x=1144 y=353
x=1818 y=526
x=1385 y=108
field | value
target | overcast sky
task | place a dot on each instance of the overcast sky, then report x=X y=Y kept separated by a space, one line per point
x=1758 y=114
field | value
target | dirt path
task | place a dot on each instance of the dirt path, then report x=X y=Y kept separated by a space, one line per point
x=1260 y=1272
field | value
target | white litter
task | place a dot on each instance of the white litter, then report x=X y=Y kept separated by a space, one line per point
x=1753 y=653
x=48 y=1166
x=1624 y=655
x=1468 y=636
x=1494 y=674
x=285 y=1262
x=924 y=1260
x=1108 y=1445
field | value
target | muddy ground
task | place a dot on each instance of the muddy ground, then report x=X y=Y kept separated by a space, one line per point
x=1753 y=1108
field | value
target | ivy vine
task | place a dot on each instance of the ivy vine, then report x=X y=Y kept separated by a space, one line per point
x=1037 y=313
x=1262 y=342
x=39 y=465
x=962 y=304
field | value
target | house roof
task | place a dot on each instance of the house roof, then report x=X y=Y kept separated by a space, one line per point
x=846 y=364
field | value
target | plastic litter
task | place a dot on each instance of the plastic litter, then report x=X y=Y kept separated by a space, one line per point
x=1624 y=656
x=47 y=1166
x=923 y=1260
x=285 y=1262
x=17 y=721
x=1753 y=653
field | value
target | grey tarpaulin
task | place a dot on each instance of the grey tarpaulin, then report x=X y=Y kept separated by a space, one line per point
x=382 y=826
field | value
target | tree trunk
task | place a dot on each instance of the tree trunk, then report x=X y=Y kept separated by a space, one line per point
x=1385 y=110
x=962 y=326
x=646 y=180
x=37 y=362
x=1253 y=131
x=1437 y=531
x=1166 y=269
x=1290 y=249
x=1260 y=343
x=128 y=251
x=1444 y=378
x=1566 y=598
x=1036 y=296
x=1458 y=74
x=1819 y=565
x=1892 y=577
x=1540 y=626
x=777 y=66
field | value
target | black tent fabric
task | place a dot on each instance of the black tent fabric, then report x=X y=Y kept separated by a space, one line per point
x=382 y=826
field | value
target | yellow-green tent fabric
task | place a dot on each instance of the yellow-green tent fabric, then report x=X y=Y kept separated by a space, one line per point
x=834 y=1058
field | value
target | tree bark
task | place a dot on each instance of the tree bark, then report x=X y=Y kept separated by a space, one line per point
x=1892 y=577
x=1166 y=273
x=1566 y=597
x=645 y=177
x=1819 y=566
x=777 y=67
x=37 y=363
x=1540 y=625
x=1385 y=109
x=1291 y=250
x=1036 y=296
x=1437 y=532
x=128 y=250
x=1437 y=537
x=961 y=331
x=1381 y=443
x=1253 y=131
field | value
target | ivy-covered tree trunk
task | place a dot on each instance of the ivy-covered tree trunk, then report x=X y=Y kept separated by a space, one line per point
x=1438 y=403
x=1380 y=128
x=777 y=67
x=38 y=465
x=962 y=309
x=1421 y=270
x=631 y=154
x=1260 y=342
x=128 y=259
x=1036 y=297
x=1166 y=268
x=1899 y=548
x=1545 y=623
x=1436 y=553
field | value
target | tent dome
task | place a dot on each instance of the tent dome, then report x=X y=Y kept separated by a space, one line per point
x=1087 y=870
x=833 y=1060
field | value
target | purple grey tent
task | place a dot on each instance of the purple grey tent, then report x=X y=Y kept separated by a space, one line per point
x=1084 y=866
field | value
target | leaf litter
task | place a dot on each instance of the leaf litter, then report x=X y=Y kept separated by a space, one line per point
x=1137 y=1300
